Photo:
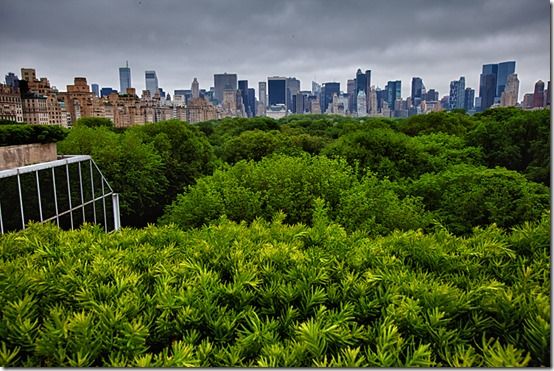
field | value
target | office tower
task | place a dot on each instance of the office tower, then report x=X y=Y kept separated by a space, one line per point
x=504 y=70
x=432 y=95
x=293 y=88
x=393 y=92
x=352 y=95
x=243 y=91
x=316 y=88
x=548 y=94
x=361 y=104
x=151 y=82
x=104 y=92
x=487 y=85
x=511 y=90
x=469 y=99
x=277 y=90
x=251 y=98
x=538 y=95
x=224 y=81
x=457 y=93
x=418 y=89
x=195 y=88
x=124 y=78
x=95 y=89
x=328 y=89
x=12 y=80
x=300 y=101
x=230 y=101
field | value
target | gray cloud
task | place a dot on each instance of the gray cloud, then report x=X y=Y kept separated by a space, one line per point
x=322 y=40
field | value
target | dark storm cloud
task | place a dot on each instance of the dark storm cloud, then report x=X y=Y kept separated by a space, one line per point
x=320 y=40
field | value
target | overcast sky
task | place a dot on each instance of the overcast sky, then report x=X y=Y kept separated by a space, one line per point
x=321 y=40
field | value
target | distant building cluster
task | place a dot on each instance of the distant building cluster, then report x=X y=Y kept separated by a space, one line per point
x=33 y=100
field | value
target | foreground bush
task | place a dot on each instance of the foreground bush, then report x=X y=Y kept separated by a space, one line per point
x=274 y=295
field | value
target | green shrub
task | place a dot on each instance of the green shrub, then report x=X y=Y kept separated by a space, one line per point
x=25 y=134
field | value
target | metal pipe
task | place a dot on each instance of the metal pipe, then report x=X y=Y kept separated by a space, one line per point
x=69 y=193
x=20 y=200
x=92 y=188
x=39 y=197
x=55 y=197
x=81 y=188
x=115 y=205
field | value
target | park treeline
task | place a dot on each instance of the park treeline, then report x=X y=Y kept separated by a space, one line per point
x=375 y=174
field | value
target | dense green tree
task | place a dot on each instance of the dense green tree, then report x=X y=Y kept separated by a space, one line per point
x=465 y=196
x=93 y=122
x=454 y=123
x=515 y=139
x=253 y=145
x=184 y=150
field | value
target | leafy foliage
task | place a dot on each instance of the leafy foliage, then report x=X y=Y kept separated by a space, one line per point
x=274 y=295
x=464 y=196
x=24 y=134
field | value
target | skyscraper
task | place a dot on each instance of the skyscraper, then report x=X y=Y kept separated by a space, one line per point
x=251 y=98
x=151 y=82
x=293 y=88
x=329 y=88
x=469 y=99
x=95 y=89
x=352 y=95
x=243 y=88
x=195 y=87
x=417 y=90
x=504 y=70
x=510 y=94
x=487 y=85
x=538 y=95
x=124 y=78
x=12 y=80
x=262 y=98
x=457 y=94
x=361 y=104
x=393 y=92
x=277 y=90
x=224 y=81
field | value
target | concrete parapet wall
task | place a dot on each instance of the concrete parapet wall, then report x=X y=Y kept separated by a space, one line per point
x=26 y=154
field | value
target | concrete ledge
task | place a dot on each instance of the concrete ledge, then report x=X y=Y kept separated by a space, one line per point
x=27 y=154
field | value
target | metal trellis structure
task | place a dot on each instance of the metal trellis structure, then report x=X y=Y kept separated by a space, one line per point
x=71 y=190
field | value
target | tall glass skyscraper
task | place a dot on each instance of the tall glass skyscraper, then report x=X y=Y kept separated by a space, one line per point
x=487 y=85
x=504 y=69
x=151 y=82
x=277 y=90
x=394 y=92
x=224 y=81
x=124 y=78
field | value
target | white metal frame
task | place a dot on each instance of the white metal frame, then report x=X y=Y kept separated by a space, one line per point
x=65 y=161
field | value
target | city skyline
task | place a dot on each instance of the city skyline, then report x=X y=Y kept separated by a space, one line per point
x=318 y=41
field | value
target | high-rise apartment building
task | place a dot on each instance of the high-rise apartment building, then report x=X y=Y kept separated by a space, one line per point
x=277 y=90
x=432 y=95
x=224 y=81
x=251 y=100
x=124 y=78
x=243 y=88
x=195 y=89
x=361 y=100
x=28 y=74
x=262 y=98
x=352 y=95
x=510 y=92
x=151 y=82
x=293 y=88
